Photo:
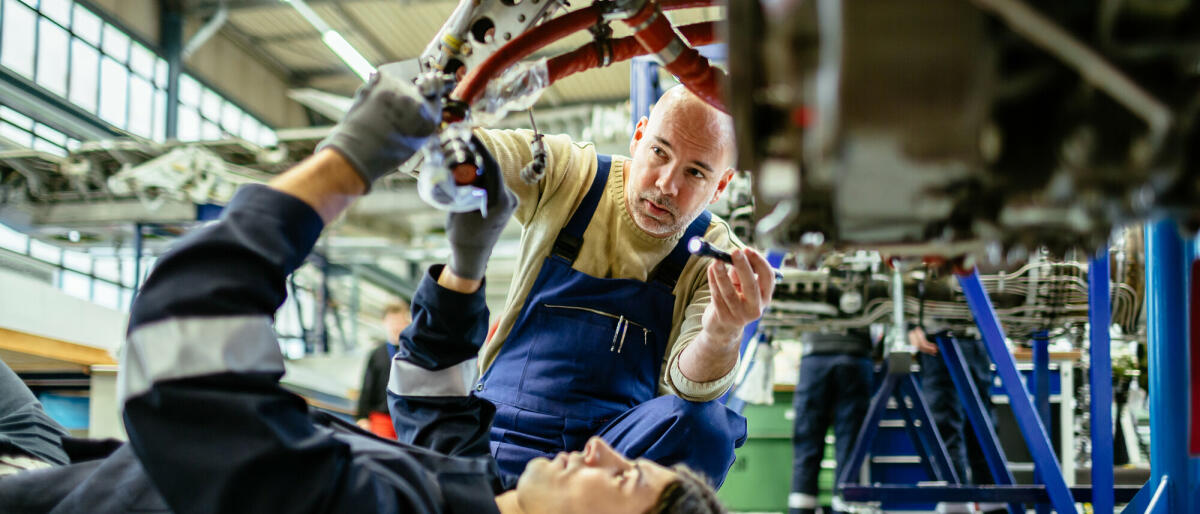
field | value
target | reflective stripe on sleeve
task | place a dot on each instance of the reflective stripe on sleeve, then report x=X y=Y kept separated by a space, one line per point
x=189 y=347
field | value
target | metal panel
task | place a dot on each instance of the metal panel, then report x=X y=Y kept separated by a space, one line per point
x=270 y=22
x=304 y=54
x=403 y=28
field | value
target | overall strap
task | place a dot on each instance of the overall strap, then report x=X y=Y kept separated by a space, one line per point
x=667 y=272
x=570 y=238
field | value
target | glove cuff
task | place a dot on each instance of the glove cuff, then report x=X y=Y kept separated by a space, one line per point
x=469 y=263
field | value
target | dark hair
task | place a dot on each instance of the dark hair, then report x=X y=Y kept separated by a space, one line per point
x=689 y=493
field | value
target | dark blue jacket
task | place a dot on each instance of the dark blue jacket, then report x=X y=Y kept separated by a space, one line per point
x=211 y=430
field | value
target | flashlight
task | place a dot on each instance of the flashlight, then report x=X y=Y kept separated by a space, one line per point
x=698 y=246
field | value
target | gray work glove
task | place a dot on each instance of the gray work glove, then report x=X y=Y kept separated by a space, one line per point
x=388 y=123
x=471 y=235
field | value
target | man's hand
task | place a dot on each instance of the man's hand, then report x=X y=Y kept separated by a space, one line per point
x=363 y=423
x=740 y=293
x=388 y=123
x=916 y=337
x=471 y=234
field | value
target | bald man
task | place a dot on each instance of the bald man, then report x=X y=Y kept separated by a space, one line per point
x=610 y=327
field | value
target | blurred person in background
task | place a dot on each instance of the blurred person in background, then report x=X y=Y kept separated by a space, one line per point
x=372 y=413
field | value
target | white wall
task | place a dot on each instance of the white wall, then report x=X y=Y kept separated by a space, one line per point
x=34 y=307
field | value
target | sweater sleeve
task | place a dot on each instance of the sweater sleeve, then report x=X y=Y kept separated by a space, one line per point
x=512 y=152
x=674 y=382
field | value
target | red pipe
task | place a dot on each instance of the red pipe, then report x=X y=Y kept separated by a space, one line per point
x=589 y=56
x=670 y=5
x=522 y=46
x=691 y=68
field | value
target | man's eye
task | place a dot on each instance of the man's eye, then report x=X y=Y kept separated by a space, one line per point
x=658 y=151
x=696 y=173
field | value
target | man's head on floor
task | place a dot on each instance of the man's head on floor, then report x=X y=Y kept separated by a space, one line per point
x=600 y=480
x=683 y=157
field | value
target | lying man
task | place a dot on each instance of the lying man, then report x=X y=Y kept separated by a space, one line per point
x=212 y=431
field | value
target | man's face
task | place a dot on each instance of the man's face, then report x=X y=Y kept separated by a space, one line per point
x=681 y=164
x=596 y=480
x=394 y=323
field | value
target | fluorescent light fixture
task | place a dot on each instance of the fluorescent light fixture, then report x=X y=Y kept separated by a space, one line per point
x=342 y=48
x=348 y=54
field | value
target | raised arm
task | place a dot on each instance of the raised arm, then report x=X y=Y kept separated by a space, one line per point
x=203 y=407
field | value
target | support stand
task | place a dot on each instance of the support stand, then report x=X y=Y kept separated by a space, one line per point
x=972 y=401
x=902 y=386
x=1167 y=266
x=1028 y=420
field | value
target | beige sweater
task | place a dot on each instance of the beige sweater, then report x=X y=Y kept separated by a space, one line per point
x=614 y=246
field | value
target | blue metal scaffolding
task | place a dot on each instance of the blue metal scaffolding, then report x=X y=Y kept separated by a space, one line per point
x=1168 y=262
x=1030 y=413
x=1100 y=381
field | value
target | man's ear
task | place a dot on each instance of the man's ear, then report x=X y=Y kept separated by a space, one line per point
x=721 y=185
x=639 y=131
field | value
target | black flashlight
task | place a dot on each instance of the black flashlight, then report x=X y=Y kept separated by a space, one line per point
x=698 y=246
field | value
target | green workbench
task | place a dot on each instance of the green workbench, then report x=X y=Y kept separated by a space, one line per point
x=761 y=477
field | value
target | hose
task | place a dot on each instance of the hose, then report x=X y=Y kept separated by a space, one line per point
x=654 y=31
x=592 y=56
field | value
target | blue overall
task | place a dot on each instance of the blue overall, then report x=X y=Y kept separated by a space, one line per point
x=584 y=359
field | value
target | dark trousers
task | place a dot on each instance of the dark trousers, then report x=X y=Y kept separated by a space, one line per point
x=832 y=389
x=24 y=427
x=947 y=409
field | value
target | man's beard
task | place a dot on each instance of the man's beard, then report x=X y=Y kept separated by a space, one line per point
x=674 y=221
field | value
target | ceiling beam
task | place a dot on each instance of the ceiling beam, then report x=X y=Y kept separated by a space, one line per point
x=247 y=44
x=80 y=214
x=361 y=30
x=284 y=38
x=304 y=76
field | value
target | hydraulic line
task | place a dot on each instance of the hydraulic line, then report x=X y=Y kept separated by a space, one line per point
x=530 y=41
x=669 y=5
x=655 y=33
x=592 y=56
x=652 y=31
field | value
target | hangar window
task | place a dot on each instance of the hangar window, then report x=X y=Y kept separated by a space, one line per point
x=16 y=128
x=114 y=90
x=52 y=61
x=70 y=51
x=12 y=240
x=85 y=74
x=17 y=45
x=141 y=112
x=96 y=275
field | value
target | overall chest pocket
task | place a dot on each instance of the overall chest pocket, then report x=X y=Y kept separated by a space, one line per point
x=588 y=354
